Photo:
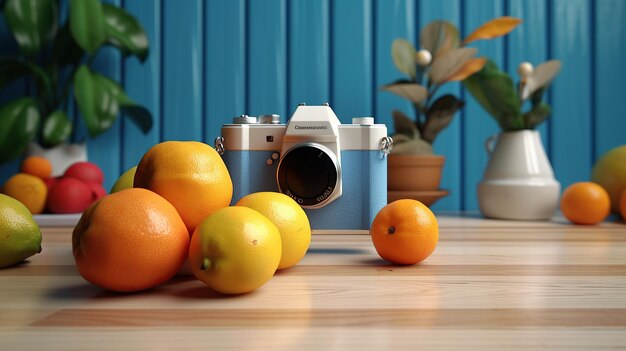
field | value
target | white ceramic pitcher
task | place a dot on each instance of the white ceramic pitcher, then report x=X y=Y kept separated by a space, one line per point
x=518 y=182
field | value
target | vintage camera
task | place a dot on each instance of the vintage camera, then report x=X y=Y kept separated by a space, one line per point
x=336 y=172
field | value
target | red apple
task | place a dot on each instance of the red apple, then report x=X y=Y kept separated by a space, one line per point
x=85 y=171
x=69 y=195
x=50 y=182
x=97 y=191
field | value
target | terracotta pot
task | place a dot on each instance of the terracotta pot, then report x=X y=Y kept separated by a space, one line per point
x=414 y=172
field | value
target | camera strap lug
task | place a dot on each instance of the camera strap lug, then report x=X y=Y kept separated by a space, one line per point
x=219 y=145
x=386 y=144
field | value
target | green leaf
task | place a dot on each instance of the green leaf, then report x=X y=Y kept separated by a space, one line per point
x=125 y=32
x=96 y=101
x=65 y=49
x=33 y=22
x=19 y=122
x=537 y=96
x=57 y=128
x=439 y=37
x=11 y=69
x=139 y=115
x=440 y=115
x=100 y=99
x=404 y=55
x=135 y=112
x=495 y=91
x=410 y=91
x=87 y=24
x=537 y=115
x=404 y=125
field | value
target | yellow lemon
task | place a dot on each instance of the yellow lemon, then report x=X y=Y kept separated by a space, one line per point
x=289 y=218
x=29 y=190
x=21 y=237
x=235 y=250
x=125 y=181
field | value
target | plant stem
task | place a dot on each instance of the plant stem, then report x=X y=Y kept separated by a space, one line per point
x=418 y=118
x=520 y=95
x=66 y=86
x=68 y=82
x=432 y=93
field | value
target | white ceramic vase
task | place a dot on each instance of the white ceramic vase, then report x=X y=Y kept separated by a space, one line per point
x=61 y=156
x=518 y=182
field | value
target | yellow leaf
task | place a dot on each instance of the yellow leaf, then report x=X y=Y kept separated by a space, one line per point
x=472 y=66
x=493 y=29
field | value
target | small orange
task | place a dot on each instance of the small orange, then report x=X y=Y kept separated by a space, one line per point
x=27 y=189
x=190 y=175
x=585 y=203
x=405 y=232
x=37 y=166
x=131 y=240
x=622 y=205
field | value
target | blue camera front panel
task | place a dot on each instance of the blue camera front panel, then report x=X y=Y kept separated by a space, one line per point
x=364 y=193
x=364 y=186
x=250 y=172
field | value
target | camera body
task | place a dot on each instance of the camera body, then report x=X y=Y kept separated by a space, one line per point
x=336 y=172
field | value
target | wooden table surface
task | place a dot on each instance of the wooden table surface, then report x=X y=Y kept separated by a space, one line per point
x=488 y=285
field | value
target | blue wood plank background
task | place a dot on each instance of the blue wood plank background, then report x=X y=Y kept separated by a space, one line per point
x=143 y=83
x=215 y=59
x=476 y=123
x=448 y=142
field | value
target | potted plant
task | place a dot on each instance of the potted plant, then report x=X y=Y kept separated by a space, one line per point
x=413 y=170
x=56 y=61
x=518 y=182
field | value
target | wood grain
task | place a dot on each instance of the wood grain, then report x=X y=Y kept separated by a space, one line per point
x=399 y=318
x=490 y=285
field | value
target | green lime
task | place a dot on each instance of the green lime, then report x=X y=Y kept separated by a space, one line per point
x=20 y=236
x=125 y=181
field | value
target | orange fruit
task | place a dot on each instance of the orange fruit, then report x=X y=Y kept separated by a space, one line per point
x=405 y=232
x=128 y=241
x=27 y=189
x=37 y=166
x=235 y=250
x=622 y=204
x=585 y=203
x=188 y=174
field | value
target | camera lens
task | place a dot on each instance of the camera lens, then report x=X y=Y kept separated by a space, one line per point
x=308 y=173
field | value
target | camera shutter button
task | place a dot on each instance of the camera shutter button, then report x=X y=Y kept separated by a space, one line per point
x=244 y=119
x=363 y=120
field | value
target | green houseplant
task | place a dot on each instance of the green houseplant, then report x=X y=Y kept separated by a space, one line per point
x=56 y=61
x=503 y=100
x=413 y=169
x=518 y=182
